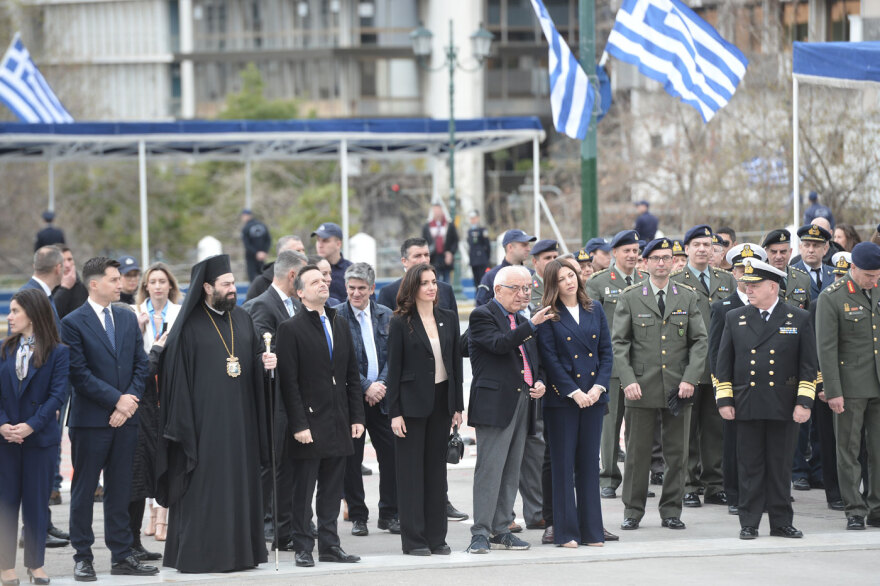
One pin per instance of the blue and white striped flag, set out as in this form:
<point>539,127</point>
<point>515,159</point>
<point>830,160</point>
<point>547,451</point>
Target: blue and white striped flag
<point>671,44</point>
<point>571,95</point>
<point>24,90</point>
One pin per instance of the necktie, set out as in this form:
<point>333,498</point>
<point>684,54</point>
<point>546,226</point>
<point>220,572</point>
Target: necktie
<point>660,303</point>
<point>527,370</point>
<point>867,295</point>
<point>327,335</point>
<point>818,273</point>
<point>288,303</point>
<point>704,283</point>
<point>369,346</point>
<point>765,315</point>
<point>629,281</point>
<point>108,327</point>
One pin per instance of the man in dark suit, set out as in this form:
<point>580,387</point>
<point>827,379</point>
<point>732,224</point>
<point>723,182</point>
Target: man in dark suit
<point>320,386</point>
<point>766,373</point>
<point>262,281</point>
<point>719,310</point>
<point>415,251</point>
<point>50,234</point>
<point>506,376</point>
<point>517,249</point>
<point>368,322</point>
<point>275,305</point>
<point>108,368</point>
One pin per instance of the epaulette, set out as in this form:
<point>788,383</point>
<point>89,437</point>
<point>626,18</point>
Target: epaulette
<point>798,269</point>
<point>686,286</point>
<point>678,272</point>
<point>633,286</point>
<point>722,270</point>
<point>602,272</point>
<point>834,286</point>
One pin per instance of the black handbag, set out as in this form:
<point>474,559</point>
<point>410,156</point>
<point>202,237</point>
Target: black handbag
<point>455,447</point>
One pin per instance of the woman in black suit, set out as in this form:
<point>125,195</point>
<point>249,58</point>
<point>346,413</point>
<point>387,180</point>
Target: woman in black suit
<point>575,346</point>
<point>33,387</point>
<point>424,396</point>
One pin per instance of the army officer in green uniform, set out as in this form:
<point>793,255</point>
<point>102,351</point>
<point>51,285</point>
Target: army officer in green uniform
<point>705,472</point>
<point>766,373</point>
<point>605,287</point>
<point>660,347</point>
<point>847,321</point>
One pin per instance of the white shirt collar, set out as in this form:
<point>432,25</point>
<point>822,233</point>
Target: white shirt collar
<point>44,286</point>
<point>771,308</point>
<point>282,294</point>
<point>99,310</point>
<point>743,297</point>
<point>357,312</point>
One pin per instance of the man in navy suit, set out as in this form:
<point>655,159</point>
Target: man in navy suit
<point>108,368</point>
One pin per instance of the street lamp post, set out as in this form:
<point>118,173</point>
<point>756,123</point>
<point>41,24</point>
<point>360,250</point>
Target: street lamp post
<point>481,42</point>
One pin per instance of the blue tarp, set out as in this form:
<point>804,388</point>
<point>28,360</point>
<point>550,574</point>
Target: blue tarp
<point>845,63</point>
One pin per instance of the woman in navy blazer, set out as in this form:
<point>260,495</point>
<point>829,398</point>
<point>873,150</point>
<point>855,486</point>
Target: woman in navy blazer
<point>33,387</point>
<point>575,347</point>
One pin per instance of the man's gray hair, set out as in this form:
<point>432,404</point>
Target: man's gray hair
<point>46,259</point>
<point>289,260</point>
<point>505,273</point>
<point>284,241</point>
<point>362,271</point>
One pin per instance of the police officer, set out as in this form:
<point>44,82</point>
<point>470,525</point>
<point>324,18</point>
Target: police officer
<point>706,447</point>
<point>738,298</point>
<point>479,248</point>
<point>847,318</point>
<point>766,374</point>
<point>256,239</point>
<point>660,346</point>
<point>795,287</point>
<point>517,246</point>
<point>542,252</point>
<point>605,287</point>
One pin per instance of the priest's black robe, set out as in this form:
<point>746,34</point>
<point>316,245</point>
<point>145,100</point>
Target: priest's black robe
<point>214,439</point>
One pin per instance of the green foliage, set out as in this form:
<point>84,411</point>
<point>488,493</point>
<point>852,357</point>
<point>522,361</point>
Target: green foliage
<point>251,103</point>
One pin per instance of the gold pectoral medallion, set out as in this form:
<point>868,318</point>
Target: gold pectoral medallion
<point>233,367</point>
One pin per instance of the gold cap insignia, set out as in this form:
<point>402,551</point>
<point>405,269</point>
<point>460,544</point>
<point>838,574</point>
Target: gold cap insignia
<point>842,264</point>
<point>814,231</point>
<point>676,247</point>
<point>583,255</point>
<point>747,252</point>
<point>665,244</point>
<point>707,231</point>
<point>782,237</point>
<point>750,269</point>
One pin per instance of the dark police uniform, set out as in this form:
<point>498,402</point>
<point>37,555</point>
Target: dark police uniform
<point>705,457</point>
<point>658,352</point>
<point>847,323</point>
<point>479,250</point>
<point>764,369</point>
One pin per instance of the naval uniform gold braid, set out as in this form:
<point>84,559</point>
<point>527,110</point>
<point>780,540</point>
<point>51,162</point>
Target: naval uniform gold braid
<point>233,367</point>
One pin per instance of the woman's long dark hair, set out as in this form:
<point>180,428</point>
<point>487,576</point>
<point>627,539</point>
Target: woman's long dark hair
<point>852,236</point>
<point>37,308</point>
<point>551,287</point>
<point>409,287</point>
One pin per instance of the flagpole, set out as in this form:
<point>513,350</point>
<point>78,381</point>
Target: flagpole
<point>589,175</point>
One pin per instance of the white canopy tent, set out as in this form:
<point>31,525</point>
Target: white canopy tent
<point>848,65</point>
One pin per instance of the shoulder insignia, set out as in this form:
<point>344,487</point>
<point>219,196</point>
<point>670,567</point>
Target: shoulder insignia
<point>602,272</point>
<point>722,271</point>
<point>678,272</point>
<point>793,269</point>
<point>688,287</point>
<point>631,287</point>
<point>835,285</point>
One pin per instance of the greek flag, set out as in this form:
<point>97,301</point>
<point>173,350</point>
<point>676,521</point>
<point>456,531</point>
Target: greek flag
<point>571,95</point>
<point>671,44</point>
<point>24,90</point>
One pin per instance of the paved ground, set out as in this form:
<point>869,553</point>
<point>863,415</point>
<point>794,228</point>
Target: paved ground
<point>707,550</point>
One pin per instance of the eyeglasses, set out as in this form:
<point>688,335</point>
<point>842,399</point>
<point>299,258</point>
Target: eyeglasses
<point>659,259</point>
<point>525,290</point>
<point>724,243</point>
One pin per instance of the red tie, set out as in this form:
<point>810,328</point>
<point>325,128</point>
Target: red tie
<point>527,370</point>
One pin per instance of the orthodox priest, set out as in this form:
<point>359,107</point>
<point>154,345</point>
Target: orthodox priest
<point>213,429</point>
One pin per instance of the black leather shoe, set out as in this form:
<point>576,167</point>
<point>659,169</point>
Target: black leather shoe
<point>608,493</point>
<point>836,505</point>
<point>855,523</point>
<point>454,514</point>
<point>141,553</point>
<point>304,559</point>
<point>610,536</point>
<point>366,471</point>
<point>419,551</point>
<point>131,566</point>
<point>547,537</point>
<point>657,478</point>
<point>52,541</point>
<point>84,572</point>
<point>335,554</point>
<point>787,531</point>
<point>732,510</point>
<point>359,529</point>
<point>34,579</point>
<point>748,533</point>
<point>701,491</point>
<point>673,523</point>
<point>390,525</point>
<point>441,550</point>
<point>540,525</point>
<point>691,499</point>
<point>289,546</point>
<point>629,523</point>
<point>58,533</point>
<point>718,498</point>
<point>801,484</point>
